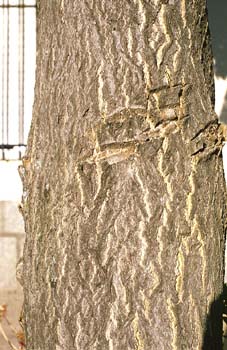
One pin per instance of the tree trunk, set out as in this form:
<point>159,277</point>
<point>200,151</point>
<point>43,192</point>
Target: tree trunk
<point>124,201</point>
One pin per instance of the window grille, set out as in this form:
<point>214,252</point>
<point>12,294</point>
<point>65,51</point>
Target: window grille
<point>17,74</point>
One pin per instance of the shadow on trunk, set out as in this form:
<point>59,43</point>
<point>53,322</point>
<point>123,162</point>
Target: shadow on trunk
<point>213,335</point>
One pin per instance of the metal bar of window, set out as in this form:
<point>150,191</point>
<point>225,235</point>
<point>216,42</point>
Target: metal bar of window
<point>21,72</point>
<point>3,79</point>
<point>9,146</point>
<point>7,77</point>
<point>22,37</point>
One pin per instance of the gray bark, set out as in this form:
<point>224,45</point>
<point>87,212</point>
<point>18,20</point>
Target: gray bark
<point>124,202</point>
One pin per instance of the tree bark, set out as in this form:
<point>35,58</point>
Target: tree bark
<point>124,200</point>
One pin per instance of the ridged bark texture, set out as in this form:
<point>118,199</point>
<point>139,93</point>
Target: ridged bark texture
<point>124,201</point>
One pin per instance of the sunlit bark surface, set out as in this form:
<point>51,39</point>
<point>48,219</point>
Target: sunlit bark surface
<point>123,181</point>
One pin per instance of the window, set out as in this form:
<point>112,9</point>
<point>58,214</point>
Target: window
<point>17,74</point>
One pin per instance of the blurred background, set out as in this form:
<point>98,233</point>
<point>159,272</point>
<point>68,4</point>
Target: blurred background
<point>17,77</point>
<point>217,14</point>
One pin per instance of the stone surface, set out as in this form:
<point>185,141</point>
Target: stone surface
<point>8,259</point>
<point>11,187</point>
<point>11,221</point>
